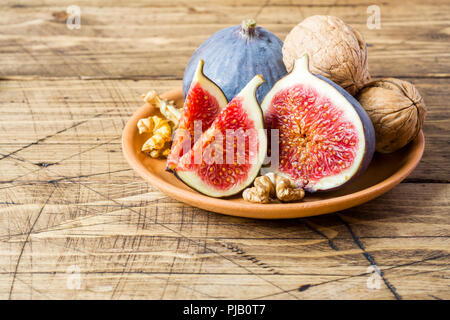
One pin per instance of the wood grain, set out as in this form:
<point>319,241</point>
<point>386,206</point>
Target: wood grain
<point>70,203</point>
<point>152,38</point>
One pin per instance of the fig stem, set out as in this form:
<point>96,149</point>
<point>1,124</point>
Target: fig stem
<point>252,85</point>
<point>301,64</point>
<point>248,28</point>
<point>199,71</point>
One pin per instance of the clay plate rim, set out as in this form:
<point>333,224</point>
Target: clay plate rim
<point>252,210</point>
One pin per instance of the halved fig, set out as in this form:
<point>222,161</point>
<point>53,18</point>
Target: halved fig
<point>228,156</point>
<point>203,103</point>
<point>325,137</point>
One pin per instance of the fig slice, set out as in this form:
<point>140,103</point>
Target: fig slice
<point>228,156</point>
<point>203,103</point>
<point>326,139</point>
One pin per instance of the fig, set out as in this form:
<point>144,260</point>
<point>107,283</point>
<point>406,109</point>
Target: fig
<point>228,156</point>
<point>203,103</point>
<point>326,138</point>
<point>234,55</point>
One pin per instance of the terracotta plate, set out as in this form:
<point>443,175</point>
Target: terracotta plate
<point>384,173</point>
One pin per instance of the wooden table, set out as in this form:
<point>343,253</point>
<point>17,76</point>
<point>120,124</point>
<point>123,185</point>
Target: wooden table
<point>76,222</point>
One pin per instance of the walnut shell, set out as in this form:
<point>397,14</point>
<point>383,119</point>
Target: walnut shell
<point>335,49</point>
<point>397,112</point>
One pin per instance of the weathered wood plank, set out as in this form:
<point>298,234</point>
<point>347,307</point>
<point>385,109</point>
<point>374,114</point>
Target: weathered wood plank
<point>156,41</point>
<point>106,234</point>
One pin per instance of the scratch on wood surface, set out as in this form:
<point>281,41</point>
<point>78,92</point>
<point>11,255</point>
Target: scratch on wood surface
<point>305,287</point>
<point>371,259</point>
<point>265,4</point>
<point>244,255</point>
<point>46,296</point>
<point>170,271</point>
<point>312,227</point>
<point>199,244</point>
<point>25,243</point>
<point>42,139</point>
<point>60,161</point>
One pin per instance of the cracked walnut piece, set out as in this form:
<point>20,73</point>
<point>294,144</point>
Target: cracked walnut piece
<point>161,133</point>
<point>167,108</point>
<point>270,186</point>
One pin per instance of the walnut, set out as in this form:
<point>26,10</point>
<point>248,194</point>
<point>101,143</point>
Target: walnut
<point>397,112</point>
<point>272,185</point>
<point>261,192</point>
<point>160,153</point>
<point>159,142</point>
<point>158,145</point>
<point>336,51</point>
<point>167,108</point>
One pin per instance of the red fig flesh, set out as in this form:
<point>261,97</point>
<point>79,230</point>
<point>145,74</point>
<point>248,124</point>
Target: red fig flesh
<point>228,156</point>
<point>203,103</point>
<point>325,137</point>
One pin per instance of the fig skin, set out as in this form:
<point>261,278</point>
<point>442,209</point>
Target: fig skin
<point>336,50</point>
<point>397,111</point>
<point>234,55</point>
